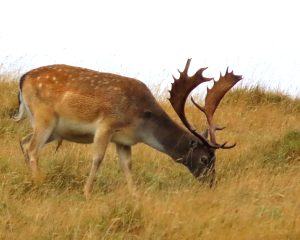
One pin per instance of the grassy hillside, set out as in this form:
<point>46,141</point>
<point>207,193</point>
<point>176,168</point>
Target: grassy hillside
<point>257,195</point>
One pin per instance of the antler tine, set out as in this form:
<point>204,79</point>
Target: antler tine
<point>187,66</point>
<point>229,146</point>
<point>212,100</point>
<point>179,92</point>
<point>198,106</point>
<point>215,128</point>
<point>218,128</point>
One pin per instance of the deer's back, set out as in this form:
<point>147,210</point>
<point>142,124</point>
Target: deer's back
<point>83,94</point>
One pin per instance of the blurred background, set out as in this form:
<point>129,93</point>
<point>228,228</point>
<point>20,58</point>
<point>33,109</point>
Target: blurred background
<point>150,40</point>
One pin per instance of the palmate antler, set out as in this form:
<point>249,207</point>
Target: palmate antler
<point>179,92</point>
<point>183,86</point>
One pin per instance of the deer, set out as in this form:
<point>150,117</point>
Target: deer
<point>85,106</point>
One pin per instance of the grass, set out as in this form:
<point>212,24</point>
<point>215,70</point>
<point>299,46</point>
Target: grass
<point>257,195</point>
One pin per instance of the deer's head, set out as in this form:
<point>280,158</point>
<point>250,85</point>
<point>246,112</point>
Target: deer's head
<point>200,159</point>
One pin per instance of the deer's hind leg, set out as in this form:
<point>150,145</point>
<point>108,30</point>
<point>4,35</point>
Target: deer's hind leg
<point>25,141</point>
<point>32,143</point>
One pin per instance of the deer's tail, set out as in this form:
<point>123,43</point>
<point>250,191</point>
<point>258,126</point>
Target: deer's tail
<point>22,109</point>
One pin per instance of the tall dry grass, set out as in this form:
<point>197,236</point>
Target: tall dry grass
<point>256,197</point>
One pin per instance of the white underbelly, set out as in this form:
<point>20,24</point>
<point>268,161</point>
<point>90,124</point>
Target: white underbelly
<point>75,131</point>
<point>84,132</point>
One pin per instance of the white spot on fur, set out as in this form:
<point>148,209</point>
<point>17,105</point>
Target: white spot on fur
<point>54,78</point>
<point>40,85</point>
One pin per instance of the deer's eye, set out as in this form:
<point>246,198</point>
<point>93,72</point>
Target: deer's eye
<point>204,160</point>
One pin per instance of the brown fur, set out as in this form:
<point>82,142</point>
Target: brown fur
<point>83,94</point>
<point>86,106</point>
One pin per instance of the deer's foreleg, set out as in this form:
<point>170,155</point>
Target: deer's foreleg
<point>101,140</point>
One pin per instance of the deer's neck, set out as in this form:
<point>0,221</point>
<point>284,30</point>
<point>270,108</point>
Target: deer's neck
<point>163,134</point>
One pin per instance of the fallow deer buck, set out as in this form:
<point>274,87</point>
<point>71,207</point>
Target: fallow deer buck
<point>85,106</point>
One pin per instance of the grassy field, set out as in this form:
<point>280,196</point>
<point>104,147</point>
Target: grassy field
<point>257,195</point>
